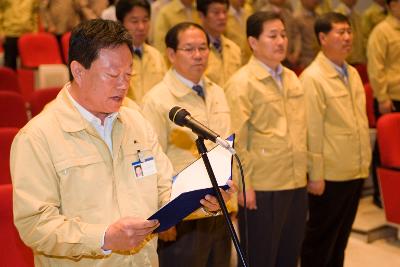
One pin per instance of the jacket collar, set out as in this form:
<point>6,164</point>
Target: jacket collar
<point>259,71</point>
<point>179,89</point>
<point>327,65</point>
<point>65,112</point>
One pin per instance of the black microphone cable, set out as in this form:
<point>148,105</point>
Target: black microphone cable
<point>246,233</point>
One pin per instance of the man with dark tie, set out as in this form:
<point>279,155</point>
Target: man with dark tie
<point>201,239</point>
<point>148,63</point>
<point>225,57</point>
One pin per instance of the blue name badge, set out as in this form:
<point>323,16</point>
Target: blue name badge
<point>144,168</point>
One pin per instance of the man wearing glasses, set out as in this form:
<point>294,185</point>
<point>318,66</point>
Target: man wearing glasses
<point>201,239</point>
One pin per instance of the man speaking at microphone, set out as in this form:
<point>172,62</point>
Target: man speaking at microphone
<point>201,239</point>
<point>81,194</point>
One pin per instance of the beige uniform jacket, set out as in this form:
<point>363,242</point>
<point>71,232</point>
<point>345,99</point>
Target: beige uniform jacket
<point>384,59</point>
<point>146,72</point>
<point>222,65</point>
<point>357,54</point>
<point>371,17</point>
<point>68,187</point>
<point>170,15</point>
<point>270,127</point>
<point>179,142</point>
<point>324,6</point>
<point>59,15</point>
<point>91,9</point>
<point>236,29</point>
<point>305,21</point>
<point>338,134</point>
<point>18,17</point>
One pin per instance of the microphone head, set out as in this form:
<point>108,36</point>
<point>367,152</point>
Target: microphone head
<point>178,115</point>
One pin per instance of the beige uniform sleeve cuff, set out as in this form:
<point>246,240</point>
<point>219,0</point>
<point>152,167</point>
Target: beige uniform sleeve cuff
<point>315,166</point>
<point>93,238</point>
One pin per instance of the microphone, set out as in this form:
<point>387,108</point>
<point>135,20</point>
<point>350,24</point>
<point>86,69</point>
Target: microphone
<point>181,117</point>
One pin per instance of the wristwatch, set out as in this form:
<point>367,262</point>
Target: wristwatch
<point>211,213</point>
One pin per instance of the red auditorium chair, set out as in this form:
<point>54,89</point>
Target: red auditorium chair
<point>9,80</point>
<point>12,110</point>
<point>38,48</point>
<point>65,45</point>
<point>7,135</point>
<point>13,252</point>
<point>362,70</point>
<point>388,128</point>
<point>40,98</point>
<point>370,105</point>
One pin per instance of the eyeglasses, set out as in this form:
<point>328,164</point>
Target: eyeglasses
<point>192,50</point>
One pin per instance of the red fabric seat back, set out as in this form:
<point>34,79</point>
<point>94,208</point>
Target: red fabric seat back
<point>38,48</point>
<point>369,97</point>
<point>362,70</point>
<point>6,137</point>
<point>9,80</point>
<point>13,252</point>
<point>388,130</point>
<point>65,45</point>
<point>389,181</point>
<point>12,110</point>
<point>40,98</point>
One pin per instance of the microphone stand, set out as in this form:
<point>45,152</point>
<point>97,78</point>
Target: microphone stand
<point>201,148</point>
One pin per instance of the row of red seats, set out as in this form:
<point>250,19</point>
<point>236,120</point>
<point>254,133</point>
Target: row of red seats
<point>36,49</point>
<point>46,49</point>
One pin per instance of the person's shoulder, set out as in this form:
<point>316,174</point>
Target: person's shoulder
<point>230,44</point>
<point>152,50</point>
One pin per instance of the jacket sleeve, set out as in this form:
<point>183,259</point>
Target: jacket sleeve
<point>315,109</point>
<point>240,106</point>
<point>37,204</point>
<point>376,52</point>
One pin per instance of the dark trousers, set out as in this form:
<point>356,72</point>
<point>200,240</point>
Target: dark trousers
<point>329,225</point>
<point>11,52</point>
<point>376,162</point>
<point>276,228</point>
<point>200,243</point>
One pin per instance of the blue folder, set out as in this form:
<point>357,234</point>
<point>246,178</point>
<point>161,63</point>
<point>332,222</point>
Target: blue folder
<point>183,205</point>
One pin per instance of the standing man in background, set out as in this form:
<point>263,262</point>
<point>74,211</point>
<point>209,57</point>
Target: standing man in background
<point>338,143</point>
<point>372,16</point>
<point>383,53</point>
<point>16,19</point>
<point>268,117</point>
<point>148,63</point>
<point>239,11</point>
<point>201,239</point>
<point>225,56</point>
<point>171,14</point>
<point>357,54</point>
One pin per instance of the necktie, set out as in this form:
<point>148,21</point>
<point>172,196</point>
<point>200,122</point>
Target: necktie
<point>217,45</point>
<point>199,90</point>
<point>137,52</point>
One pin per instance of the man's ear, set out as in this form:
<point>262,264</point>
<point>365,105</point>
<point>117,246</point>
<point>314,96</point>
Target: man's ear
<point>252,42</point>
<point>77,71</point>
<point>171,55</point>
<point>322,38</point>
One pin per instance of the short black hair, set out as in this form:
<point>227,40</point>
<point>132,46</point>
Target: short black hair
<point>324,22</point>
<point>202,5</point>
<point>171,39</point>
<point>88,37</point>
<point>255,23</point>
<point>123,7</point>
